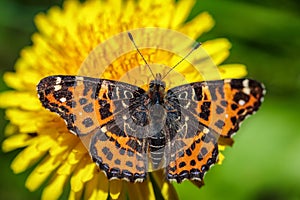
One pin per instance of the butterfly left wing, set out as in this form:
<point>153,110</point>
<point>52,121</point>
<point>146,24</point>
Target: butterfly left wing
<point>97,111</point>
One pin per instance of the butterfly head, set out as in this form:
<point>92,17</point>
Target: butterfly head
<point>157,89</point>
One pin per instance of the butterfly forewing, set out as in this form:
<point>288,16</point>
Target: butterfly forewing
<point>230,101</point>
<point>75,99</point>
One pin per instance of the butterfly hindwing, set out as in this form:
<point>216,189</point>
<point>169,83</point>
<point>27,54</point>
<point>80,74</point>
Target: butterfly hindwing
<point>118,154</point>
<point>193,161</point>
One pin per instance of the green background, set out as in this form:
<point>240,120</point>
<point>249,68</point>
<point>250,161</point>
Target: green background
<point>264,162</point>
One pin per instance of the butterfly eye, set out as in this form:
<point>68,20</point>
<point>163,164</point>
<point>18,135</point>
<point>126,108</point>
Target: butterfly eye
<point>151,84</point>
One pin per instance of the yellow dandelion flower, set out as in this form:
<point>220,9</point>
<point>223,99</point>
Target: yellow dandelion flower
<point>64,39</point>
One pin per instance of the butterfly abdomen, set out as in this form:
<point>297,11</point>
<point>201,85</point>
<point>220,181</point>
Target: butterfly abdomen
<point>157,143</point>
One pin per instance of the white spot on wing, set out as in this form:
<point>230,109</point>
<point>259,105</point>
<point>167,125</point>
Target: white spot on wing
<point>104,129</point>
<point>57,87</point>
<point>246,90</point>
<point>58,80</point>
<point>79,78</point>
<point>246,83</point>
<point>205,130</point>
<point>227,81</point>
<point>242,102</point>
<point>63,99</point>
<point>187,105</point>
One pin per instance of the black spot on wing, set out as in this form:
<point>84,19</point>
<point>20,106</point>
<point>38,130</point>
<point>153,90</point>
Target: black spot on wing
<point>198,91</point>
<point>104,109</point>
<point>237,84</point>
<point>88,108</point>
<point>220,124</point>
<point>219,110</point>
<point>205,110</point>
<point>92,85</point>
<point>83,101</point>
<point>241,96</point>
<point>88,122</point>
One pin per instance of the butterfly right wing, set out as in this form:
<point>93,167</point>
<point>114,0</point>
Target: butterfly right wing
<point>209,110</point>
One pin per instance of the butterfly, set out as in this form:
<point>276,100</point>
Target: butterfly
<point>130,131</point>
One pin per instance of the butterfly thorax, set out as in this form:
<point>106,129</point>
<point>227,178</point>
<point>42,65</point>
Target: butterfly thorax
<point>156,108</point>
<point>156,90</point>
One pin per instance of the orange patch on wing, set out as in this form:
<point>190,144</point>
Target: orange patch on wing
<point>104,99</point>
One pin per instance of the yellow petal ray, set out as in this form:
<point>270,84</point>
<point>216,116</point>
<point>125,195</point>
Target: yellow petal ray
<point>198,25</point>
<point>182,11</point>
<point>30,79</point>
<point>17,141</point>
<point>26,120</point>
<point>128,8</point>
<point>29,156</point>
<point>142,190</point>
<point>42,23</point>
<point>221,157</point>
<point>102,189</point>
<point>218,49</point>
<point>91,188</point>
<point>11,129</point>
<point>165,17</point>
<point>75,195</point>
<point>167,189</point>
<point>41,173</point>
<point>232,71</point>
<point>116,5</point>
<point>123,194</point>
<point>30,62</point>
<point>67,168</point>
<point>115,188</point>
<point>62,145</point>
<point>13,81</point>
<point>27,62</point>
<point>83,173</point>
<point>75,156</point>
<point>55,188</point>
<point>54,65</point>
<point>23,100</point>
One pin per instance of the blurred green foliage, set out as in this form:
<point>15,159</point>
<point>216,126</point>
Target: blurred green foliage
<point>264,162</point>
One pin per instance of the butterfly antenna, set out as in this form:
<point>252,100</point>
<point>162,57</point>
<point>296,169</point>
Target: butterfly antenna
<point>196,46</point>
<point>132,40</point>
